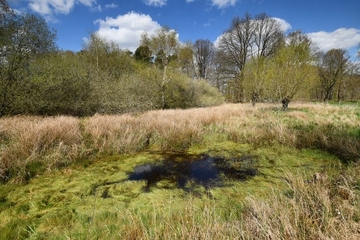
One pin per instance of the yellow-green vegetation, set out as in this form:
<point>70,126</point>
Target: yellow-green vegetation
<point>67,178</point>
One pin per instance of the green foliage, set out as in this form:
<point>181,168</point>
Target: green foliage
<point>61,84</point>
<point>285,74</point>
<point>143,54</point>
<point>100,78</point>
<point>183,92</point>
<point>24,37</point>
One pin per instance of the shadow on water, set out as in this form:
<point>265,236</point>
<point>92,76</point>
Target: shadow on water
<point>204,171</point>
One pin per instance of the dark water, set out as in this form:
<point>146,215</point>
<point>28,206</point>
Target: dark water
<point>205,171</point>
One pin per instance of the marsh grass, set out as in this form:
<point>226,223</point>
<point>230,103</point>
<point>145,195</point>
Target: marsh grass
<point>302,190</point>
<point>317,208</point>
<point>281,203</point>
<point>29,143</point>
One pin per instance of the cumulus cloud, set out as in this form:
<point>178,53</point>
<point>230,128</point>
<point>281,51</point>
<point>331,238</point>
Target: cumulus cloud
<point>285,26</point>
<point>126,30</point>
<point>155,3</point>
<point>223,3</point>
<point>50,7</point>
<point>344,38</point>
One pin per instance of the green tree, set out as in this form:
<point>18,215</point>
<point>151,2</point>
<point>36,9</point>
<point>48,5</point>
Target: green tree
<point>185,59</point>
<point>61,83</point>
<point>23,38</point>
<point>349,88</point>
<point>291,70</point>
<point>285,73</point>
<point>143,54</point>
<point>164,45</point>
<point>255,76</point>
<point>106,56</point>
<point>185,92</point>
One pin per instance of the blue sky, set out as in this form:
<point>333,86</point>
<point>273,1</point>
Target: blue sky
<point>329,23</point>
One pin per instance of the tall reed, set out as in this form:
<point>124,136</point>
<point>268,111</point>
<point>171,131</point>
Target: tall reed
<point>37,142</point>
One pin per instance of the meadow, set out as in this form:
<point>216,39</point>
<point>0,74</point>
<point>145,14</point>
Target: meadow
<point>64,177</point>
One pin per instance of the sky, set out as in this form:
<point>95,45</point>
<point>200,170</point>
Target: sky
<point>328,23</point>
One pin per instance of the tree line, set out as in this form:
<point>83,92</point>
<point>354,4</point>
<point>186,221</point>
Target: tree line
<point>254,60</point>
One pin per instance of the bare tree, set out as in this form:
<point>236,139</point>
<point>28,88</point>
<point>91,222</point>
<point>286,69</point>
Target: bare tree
<point>268,36</point>
<point>204,52</point>
<point>4,6</point>
<point>220,71</point>
<point>249,38</point>
<point>332,67</point>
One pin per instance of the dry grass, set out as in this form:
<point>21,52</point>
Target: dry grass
<point>52,142</point>
<point>317,208</point>
<point>111,134</point>
<point>27,141</point>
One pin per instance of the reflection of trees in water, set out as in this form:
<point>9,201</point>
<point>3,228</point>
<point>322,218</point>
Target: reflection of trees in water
<point>206,171</point>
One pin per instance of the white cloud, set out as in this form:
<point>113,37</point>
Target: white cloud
<point>47,7</point>
<point>188,1</point>
<point>50,7</point>
<point>155,3</point>
<point>88,3</point>
<point>223,3</point>
<point>113,5</point>
<point>126,30</point>
<point>344,38</point>
<point>285,26</point>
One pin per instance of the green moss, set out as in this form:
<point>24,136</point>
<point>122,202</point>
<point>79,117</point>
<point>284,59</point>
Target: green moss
<point>97,201</point>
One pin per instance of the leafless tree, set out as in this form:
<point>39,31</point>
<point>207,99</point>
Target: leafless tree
<point>4,5</point>
<point>204,53</point>
<point>268,35</point>
<point>249,38</point>
<point>332,68</point>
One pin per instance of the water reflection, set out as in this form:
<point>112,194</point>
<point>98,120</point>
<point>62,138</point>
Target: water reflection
<point>205,171</point>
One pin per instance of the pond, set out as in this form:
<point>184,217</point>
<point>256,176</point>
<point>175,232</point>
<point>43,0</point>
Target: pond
<point>203,171</point>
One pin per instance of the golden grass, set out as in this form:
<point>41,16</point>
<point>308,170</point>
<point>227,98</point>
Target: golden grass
<point>317,208</point>
<point>56,141</point>
<point>28,139</point>
<point>114,133</point>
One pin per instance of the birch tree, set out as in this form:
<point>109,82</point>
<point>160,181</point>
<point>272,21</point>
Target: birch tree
<point>164,46</point>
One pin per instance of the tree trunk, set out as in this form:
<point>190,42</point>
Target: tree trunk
<point>163,82</point>
<point>254,99</point>
<point>285,103</point>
